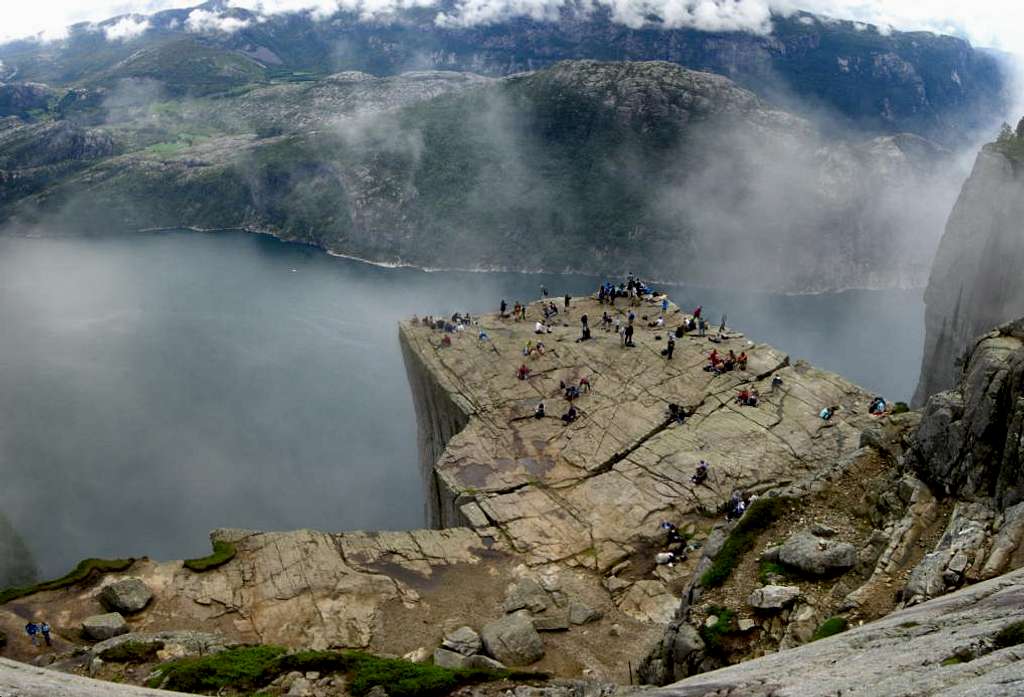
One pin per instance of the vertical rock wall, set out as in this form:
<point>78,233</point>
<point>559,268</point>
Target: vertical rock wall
<point>438,419</point>
<point>976,280</point>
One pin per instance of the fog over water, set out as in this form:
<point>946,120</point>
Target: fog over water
<point>155,387</point>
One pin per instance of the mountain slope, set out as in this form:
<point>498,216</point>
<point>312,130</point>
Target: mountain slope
<point>593,167</point>
<point>938,87</point>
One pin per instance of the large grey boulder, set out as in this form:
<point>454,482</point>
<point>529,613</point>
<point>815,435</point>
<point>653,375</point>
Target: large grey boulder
<point>443,658</point>
<point>100,627</point>
<point>513,640</point>
<point>127,596</point>
<point>526,593</point>
<point>817,556</point>
<point>773,597</point>
<point>462,641</point>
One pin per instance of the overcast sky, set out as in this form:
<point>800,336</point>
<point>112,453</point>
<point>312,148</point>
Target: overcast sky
<point>992,23</point>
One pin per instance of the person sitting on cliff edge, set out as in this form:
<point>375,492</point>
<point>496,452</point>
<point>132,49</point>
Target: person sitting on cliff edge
<point>570,416</point>
<point>538,413</point>
<point>523,372</point>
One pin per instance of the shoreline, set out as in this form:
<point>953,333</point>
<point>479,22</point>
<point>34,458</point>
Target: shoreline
<point>396,265</point>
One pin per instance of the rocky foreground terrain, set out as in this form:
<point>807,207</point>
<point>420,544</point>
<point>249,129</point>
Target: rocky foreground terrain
<point>545,556</point>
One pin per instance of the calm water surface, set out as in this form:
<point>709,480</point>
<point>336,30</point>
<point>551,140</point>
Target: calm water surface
<point>156,387</point>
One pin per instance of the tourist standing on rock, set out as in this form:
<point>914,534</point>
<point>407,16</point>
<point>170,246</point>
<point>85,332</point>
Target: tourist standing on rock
<point>543,291</point>
<point>567,299</point>
<point>44,629</point>
<point>538,413</point>
<point>702,327</point>
<point>504,306</point>
<point>696,313</point>
<point>32,629</point>
<point>664,304</point>
<point>628,336</point>
<point>671,347</point>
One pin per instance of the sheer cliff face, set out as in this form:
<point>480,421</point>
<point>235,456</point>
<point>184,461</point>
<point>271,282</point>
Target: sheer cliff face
<point>976,281</point>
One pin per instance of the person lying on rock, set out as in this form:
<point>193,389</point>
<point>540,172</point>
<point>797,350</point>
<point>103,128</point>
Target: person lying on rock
<point>541,328</point>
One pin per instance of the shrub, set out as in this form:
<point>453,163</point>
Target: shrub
<point>84,569</point>
<point>1010,635</point>
<point>762,513</point>
<point>223,552</point>
<point>900,408</point>
<point>713,635</point>
<point>244,668</point>
<point>132,652</point>
<point>830,627</point>
<point>250,668</point>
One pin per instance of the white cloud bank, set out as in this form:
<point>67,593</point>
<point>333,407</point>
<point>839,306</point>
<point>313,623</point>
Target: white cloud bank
<point>205,22</point>
<point>994,23</point>
<point>126,28</point>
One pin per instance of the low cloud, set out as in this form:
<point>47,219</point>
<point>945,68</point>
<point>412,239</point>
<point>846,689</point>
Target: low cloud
<point>126,28</point>
<point>207,22</point>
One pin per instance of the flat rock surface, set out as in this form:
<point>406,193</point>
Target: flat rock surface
<point>898,656</point>
<point>582,493</point>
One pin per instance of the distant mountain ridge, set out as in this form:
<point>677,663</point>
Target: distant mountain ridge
<point>938,87</point>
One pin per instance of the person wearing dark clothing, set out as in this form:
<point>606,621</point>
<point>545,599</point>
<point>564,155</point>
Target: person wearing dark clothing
<point>44,629</point>
<point>504,306</point>
<point>696,313</point>
<point>569,416</point>
<point>538,413</point>
<point>701,475</point>
<point>567,299</point>
<point>32,629</point>
<point>676,413</point>
<point>670,347</point>
<point>629,335</point>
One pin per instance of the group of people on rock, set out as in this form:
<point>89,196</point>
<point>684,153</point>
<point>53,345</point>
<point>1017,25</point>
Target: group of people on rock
<point>518,310</point>
<point>37,631</point>
<point>674,548</point>
<point>634,289</point>
<point>719,364</point>
<point>748,397</point>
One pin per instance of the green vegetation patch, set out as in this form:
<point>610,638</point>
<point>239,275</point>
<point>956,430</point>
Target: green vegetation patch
<point>246,668</point>
<point>952,661</point>
<point>253,667</point>
<point>132,652</point>
<point>900,408</point>
<point>714,634</point>
<point>85,569</point>
<point>1011,142</point>
<point>761,514</point>
<point>830,627</point>
<point>1010,635</point>
<point>223,552</point>
<point>769,571</point>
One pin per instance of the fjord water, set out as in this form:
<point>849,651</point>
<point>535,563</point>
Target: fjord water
<point>153,388</point>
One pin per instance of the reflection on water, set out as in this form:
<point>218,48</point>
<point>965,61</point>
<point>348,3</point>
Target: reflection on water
<point>156,387</point>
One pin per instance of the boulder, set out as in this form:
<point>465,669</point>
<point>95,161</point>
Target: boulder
<point>526,593</point>
<point>126,596</point>
<point>580,613</point>
<point>479,661</point>
<point>100,627</point>
<point>463,641</point>
<point>773,597</point>
<point>513,640</point>
<point>449,659</point>
<point>817,556</point>
<point>552,622</point>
